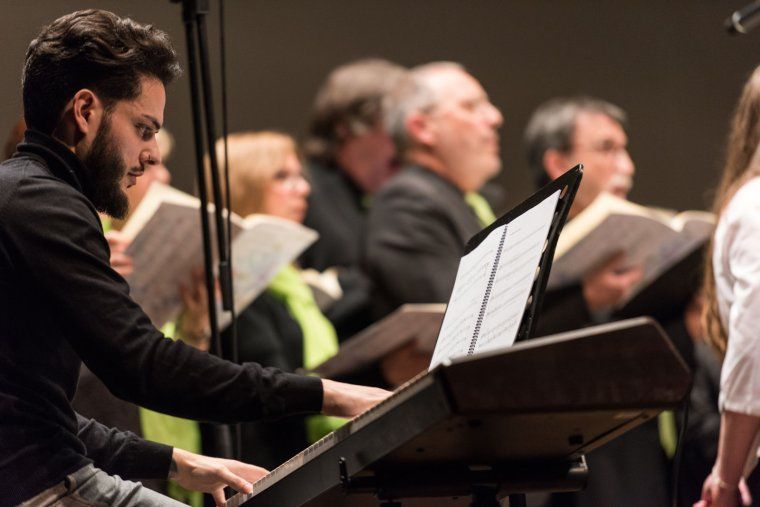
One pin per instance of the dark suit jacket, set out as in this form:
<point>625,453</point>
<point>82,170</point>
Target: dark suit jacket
<point>418,226</point>
<point>336,212</point>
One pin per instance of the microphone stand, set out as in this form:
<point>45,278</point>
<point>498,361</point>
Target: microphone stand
<point>744,20</point>
<point>193,16</point>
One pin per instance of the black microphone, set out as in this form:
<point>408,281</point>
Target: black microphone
<point>744,20</point>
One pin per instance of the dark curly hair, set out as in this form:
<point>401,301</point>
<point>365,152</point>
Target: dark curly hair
<point>92,49</point>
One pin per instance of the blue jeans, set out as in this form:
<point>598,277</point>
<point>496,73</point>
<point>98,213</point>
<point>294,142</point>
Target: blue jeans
<point>90,486</point>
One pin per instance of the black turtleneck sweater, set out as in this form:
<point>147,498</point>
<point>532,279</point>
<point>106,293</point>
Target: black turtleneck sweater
<point>61,303</point>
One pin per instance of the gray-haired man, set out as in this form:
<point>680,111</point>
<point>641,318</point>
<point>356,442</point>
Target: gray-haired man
<point>446,130</point>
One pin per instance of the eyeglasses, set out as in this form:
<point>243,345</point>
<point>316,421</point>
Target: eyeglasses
<point>289,180</point>
<point>608,150</point>
<point>480,106</point>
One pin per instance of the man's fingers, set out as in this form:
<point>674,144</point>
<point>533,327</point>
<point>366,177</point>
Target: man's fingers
<point>124,271</point>
<point>630,277</point>
<point>234,481</point>
<point>635,272</point>
<point>254,473</point>
<point>250,473</point>
<point>218,495</point>
<point>121,259</point>
<point>348,400</point>
<point>744,493</point>
<point>613,261</point>
<point>121,263</point>
<point>116,241</point>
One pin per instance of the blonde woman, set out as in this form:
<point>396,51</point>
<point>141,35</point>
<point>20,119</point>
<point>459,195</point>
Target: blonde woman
<point>284,327</point>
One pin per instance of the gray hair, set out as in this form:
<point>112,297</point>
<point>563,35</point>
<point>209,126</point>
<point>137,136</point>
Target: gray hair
<point>416,92</point>
<point>552,126</point>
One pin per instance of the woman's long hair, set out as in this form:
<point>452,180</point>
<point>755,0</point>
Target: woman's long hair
<point>741,164</point>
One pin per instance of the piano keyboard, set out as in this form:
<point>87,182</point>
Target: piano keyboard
<point>402,393</point>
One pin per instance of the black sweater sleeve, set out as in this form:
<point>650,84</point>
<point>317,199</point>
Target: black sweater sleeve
<point>123,453</point>
<point>70,268</point>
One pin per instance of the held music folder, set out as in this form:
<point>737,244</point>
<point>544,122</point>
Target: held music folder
<point>165,245</point>
<point>668,246</point>
<point>503,274</point>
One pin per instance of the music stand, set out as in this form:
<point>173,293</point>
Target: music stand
<point>499,423</point>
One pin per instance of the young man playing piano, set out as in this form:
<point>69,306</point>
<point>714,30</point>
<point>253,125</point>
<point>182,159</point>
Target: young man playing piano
<point>93,90</point>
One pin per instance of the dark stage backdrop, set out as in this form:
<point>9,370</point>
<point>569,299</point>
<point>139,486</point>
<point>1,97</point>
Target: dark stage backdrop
<point>669,64</point>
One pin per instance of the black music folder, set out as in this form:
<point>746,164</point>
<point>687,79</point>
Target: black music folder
<point>503,274</point>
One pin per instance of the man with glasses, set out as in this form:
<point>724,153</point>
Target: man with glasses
<point>633,469</point>
<point>561,133</point>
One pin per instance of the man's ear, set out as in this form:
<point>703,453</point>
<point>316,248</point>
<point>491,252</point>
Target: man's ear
<point>87,111</point>
<point>555,163</point>
<point>418,127</point>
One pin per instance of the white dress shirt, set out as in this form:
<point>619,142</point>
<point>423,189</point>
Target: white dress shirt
<point>736,261</point>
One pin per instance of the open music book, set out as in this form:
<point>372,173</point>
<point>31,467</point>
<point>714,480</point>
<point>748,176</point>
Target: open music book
<point>493,284</point>
<point>655,239</point>
<point>166,245</point>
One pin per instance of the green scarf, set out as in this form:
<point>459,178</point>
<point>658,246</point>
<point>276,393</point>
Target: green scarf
<point>320,341</point>
<point>481,208</point>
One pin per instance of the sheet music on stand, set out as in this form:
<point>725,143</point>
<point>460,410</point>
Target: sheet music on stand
<point>502,275</point>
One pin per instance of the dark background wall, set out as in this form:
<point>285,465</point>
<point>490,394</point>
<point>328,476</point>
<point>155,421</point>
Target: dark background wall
<point>669,64</point>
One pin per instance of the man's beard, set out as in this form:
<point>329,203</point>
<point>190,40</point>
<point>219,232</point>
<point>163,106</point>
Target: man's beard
<point>106,172</point>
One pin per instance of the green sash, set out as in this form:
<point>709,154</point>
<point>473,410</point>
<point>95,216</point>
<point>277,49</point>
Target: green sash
<point>320,341</point>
